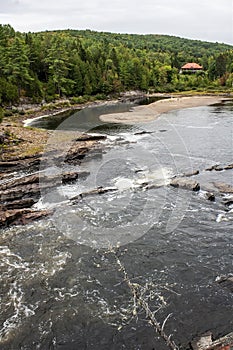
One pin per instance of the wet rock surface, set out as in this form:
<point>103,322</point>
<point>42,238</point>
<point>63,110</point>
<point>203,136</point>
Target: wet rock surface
<point>18,195</point>
<point>226,282</point>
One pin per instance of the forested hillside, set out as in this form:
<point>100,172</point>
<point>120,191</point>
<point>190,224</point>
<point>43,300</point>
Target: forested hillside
<point>47,65</point>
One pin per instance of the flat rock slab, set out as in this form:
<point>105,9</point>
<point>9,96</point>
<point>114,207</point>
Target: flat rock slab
<point>223,187</point>
<point>185,183</point>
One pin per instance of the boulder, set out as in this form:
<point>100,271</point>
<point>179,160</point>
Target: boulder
<point>210,196</point>
<point>191,173</point>
<point>185,183</point>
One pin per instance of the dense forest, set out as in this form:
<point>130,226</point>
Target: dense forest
<point>72,63</point>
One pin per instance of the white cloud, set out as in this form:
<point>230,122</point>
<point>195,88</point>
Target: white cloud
<point>207,20</point>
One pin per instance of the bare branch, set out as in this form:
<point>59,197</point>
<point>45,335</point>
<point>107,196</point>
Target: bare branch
<point>140,301</point>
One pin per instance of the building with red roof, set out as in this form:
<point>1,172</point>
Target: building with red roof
<point>191,67</point>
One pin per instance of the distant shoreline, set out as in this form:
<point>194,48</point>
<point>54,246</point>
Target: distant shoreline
<point>142,114</point>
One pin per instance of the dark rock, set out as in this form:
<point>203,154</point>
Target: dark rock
<point>192,173</point>
<point>69,177</point>
<point>143,132</point>
<point>147,186</point>
<point>76,154</point>
<point>96,191</point>
<point>185,183</point>
<point>87,137</point>
<point>11,164</point>
<point>210,196</point>
<point>20,164</point>
<point>213,167</point>
<point>229,166</point>
<point>227,202</point>
<point>226,282</point>
<point>218,167</point>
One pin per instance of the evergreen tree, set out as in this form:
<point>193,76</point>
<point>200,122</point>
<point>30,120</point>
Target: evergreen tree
<point>17,64</point>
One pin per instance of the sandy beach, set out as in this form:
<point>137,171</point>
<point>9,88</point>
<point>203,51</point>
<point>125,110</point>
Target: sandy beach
<point>141,114</point>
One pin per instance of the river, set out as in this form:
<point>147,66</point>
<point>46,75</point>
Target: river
<point>65,280</point>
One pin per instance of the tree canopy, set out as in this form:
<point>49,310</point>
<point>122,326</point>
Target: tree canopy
<point>47,65</point>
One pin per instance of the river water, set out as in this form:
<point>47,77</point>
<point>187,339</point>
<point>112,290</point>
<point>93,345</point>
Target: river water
<point>65,280</point>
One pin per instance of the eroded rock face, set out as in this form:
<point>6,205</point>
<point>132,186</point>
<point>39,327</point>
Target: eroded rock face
<point>16,165</point>
<point>19,195</point>
<point>185,183</point>
<point>21,216</point>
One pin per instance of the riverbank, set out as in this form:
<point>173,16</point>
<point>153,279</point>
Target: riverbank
<point>141,114</point>
<point>20,141</point>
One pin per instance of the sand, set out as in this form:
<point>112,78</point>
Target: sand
<point>141,114</point>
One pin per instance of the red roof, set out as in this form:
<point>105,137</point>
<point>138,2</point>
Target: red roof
<point>192,66</point>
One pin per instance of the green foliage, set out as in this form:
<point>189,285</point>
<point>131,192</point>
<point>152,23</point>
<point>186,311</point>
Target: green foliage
<point>78,100</point>
<point>1,114</point>
<point>50,65</point>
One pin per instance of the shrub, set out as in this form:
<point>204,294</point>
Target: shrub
<point>78,100</point>
<point>7,113</point>
<point>100,97</point>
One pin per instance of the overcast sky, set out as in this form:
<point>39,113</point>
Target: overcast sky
<point>210,20</point>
